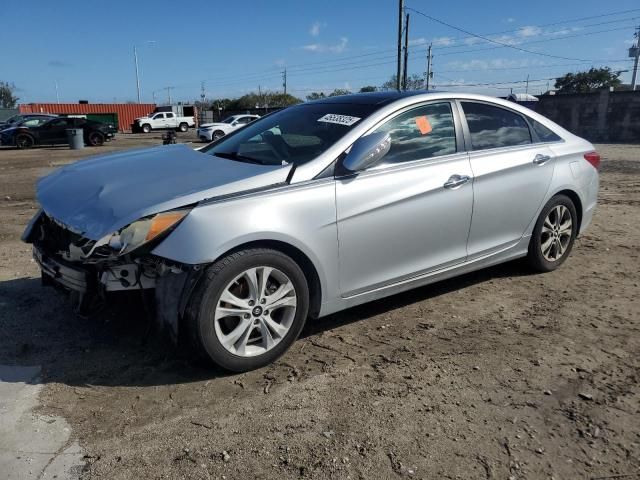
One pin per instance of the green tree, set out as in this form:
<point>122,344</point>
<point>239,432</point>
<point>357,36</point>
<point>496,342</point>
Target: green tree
<point>414,82</point>
<point>339,91</point>
<point>262,99</point>
<point>589,81</point>
<point>368,88</point>
<point>315,96</point>
<point>7,97</point>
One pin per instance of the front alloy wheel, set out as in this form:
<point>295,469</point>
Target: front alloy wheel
<point>255,311</point>
<point>248,309</point>
<point>217,135</point>
<point>24,141</point>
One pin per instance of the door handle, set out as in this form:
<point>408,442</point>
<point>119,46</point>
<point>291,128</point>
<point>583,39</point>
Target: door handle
<point>456,181</point>
<point>540,159</point>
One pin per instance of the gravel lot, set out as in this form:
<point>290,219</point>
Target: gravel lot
<point>497,374</point>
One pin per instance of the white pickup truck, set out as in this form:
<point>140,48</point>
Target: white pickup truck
<point>163,121</point>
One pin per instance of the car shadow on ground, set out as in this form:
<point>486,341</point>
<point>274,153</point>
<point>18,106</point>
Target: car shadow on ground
<point>118,347</point>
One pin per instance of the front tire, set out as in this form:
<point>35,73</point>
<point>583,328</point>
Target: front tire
<point>553,235</point>
<point>217,135</point>
<point>146,128</point>
<point>248,309</point>
<point>24,141</point>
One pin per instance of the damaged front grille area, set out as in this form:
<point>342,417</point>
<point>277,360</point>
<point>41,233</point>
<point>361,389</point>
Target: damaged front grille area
<point>55,239</point>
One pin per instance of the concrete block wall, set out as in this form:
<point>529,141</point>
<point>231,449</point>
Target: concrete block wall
<point>601,116</point>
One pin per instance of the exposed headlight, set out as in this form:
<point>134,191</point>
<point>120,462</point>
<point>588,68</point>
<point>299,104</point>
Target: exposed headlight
<point>144,230</point>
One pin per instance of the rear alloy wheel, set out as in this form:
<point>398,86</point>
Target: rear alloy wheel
<point>183,127</point>
<point>24,141</point>
<point>553,235</point>
<point>217,135</point>
<point>250,307</point>
<point>96,139</point>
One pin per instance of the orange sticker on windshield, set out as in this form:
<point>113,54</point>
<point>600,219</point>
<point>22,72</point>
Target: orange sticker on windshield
<point>423,124</point>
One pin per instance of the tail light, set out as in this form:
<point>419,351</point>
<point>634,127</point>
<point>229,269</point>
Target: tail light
<point>593,158</point>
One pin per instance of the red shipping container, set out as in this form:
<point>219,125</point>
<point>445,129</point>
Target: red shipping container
<point>127,112</point>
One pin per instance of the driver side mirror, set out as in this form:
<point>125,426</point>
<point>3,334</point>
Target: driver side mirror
<point>367,151</point>
<point>234,124</point>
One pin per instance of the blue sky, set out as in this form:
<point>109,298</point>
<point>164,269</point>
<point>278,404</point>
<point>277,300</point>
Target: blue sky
<point>87,47</point>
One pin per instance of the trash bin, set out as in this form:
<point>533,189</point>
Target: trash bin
<point>75,137</point>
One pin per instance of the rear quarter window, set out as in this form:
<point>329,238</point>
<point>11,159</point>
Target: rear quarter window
<point>544,134</point>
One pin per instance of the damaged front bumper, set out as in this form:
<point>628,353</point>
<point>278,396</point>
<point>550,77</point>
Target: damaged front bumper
<point>91,279</point>
<point>82,280</point>
<point>68,277</point>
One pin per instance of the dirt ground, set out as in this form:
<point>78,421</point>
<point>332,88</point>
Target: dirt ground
<point>499,374</point>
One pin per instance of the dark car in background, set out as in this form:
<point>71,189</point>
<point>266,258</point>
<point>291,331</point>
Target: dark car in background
<point>22,117</point>
<point>54,132</point>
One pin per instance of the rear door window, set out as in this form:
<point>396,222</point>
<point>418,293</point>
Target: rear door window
<point>424,132</point>
<point>495,127</point>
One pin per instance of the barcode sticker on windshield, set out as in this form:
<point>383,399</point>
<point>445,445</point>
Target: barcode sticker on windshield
<point>339,119</point>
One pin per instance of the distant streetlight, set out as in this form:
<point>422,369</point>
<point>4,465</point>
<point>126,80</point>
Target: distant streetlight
<point>135,58</point>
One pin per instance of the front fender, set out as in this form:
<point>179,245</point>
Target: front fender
<point>301,216</point>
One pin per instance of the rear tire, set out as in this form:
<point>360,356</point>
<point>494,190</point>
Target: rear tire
<point>553,235</point>
<point>183,127</point>
<point>96,139</point>
<point>24,141</point>
<point>248,309</point>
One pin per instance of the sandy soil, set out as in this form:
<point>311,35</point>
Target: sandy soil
<point>497,374</point>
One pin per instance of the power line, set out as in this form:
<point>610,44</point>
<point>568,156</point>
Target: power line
<point>531,42</point>
<point>297,70</point>
<point>489,39</point>
<point>626,19</point>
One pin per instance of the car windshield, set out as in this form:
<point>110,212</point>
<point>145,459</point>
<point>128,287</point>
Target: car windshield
<point>294,135</point>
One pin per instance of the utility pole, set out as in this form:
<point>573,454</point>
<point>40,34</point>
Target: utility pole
<point>169,93</point>
<point>406,52</point>
<point>399,70</point>
<point>135,57</point>
<point>635,52</point>
<point>203,95</point>
<point>527,87</point>
<point>57,92</point>
<point>284,80</point>
<point>429,76</point>
<point>154,96</point>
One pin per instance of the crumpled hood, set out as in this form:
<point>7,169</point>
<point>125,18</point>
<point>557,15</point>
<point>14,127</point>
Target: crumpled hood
<point>101,195</point>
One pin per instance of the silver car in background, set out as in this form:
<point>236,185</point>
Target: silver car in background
<point>314,209</point>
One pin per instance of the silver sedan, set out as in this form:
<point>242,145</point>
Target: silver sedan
<point>314,209</point>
